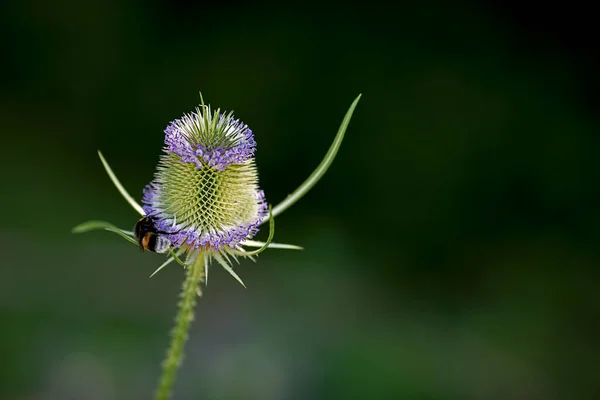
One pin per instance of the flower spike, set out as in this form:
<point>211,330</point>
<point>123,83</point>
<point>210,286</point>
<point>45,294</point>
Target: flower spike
<point>205,194</point>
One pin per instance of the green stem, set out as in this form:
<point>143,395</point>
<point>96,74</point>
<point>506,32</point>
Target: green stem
<point>185,315</point>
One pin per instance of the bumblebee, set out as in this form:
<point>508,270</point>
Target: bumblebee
<point>149,237</point>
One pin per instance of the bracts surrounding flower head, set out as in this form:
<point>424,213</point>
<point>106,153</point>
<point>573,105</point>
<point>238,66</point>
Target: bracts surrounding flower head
<point>205,192</point>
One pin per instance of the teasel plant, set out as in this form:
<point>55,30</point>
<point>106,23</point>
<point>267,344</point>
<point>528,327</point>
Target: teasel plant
<point>204,207</point>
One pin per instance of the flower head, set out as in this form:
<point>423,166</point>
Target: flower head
<point>205,192</point>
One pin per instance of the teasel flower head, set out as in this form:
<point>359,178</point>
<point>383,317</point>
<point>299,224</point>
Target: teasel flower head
<point>205,193</point>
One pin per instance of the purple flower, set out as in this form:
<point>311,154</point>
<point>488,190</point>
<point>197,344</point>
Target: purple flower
<point>205,193</point>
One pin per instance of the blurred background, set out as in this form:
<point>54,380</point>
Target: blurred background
<point>451,251</point>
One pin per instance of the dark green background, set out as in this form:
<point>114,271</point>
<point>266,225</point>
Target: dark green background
<point>450,252</point>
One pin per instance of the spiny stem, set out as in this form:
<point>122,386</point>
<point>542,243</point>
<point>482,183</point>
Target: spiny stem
<point>179,335</point>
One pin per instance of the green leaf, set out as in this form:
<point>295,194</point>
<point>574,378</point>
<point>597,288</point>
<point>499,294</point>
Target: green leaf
<point>321,169</point>
<point>95,225</point>
<point>120,187</point>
